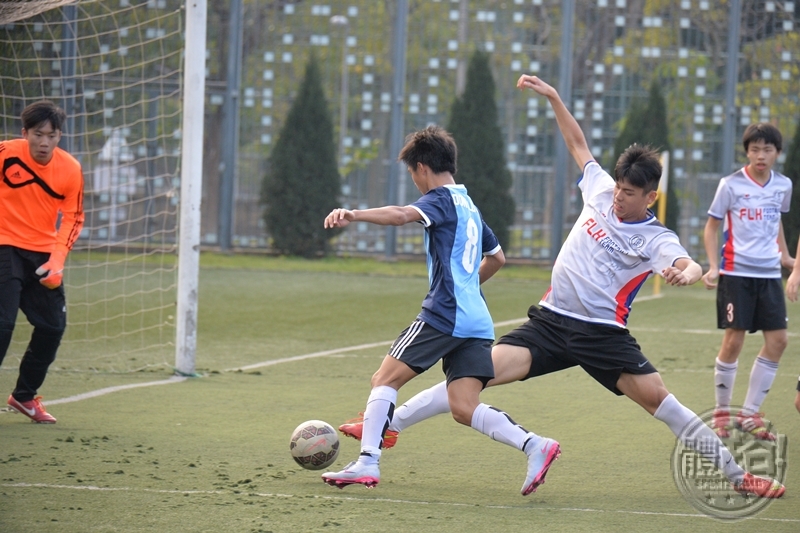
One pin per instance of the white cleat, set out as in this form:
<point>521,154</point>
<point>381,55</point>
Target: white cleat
<point>539,460</point>
<point>354,473</point>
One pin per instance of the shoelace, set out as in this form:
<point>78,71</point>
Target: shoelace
<point>37,404</point>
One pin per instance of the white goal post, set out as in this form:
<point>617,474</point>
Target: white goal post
<point>131,76</point>
<point>194,76</point>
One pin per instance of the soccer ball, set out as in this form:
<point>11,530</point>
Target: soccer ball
<point>314,445</point>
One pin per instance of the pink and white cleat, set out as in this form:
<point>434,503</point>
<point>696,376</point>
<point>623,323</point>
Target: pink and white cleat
<point>353,474</point>
<point>539,460</point>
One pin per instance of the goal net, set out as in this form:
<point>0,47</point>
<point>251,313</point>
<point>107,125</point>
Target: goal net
<point>115,68</point>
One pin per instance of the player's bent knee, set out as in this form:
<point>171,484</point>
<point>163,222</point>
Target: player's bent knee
<point>461,415</point>
<point>49,331</point>
<point>462,407</point>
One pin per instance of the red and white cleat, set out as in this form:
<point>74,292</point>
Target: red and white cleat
<point>33,409</point>
<point>760,486</point>
<point>354,428</point>
<point>721,423</point>
<point>754,425</point>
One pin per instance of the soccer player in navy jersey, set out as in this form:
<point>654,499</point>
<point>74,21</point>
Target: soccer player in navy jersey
<point>454,325</point>
<point>614,246</point>
<point>749,203</point>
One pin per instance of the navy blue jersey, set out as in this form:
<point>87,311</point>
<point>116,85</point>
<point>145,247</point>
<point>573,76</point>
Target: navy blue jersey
<point>456,239</point>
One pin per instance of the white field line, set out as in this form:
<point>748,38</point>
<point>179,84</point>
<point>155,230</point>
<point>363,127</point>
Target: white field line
<point>107,390</point>
<point>378,500</point>
<point>310,356</point>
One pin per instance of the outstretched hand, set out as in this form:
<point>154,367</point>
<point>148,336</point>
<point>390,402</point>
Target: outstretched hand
<point>527,81</point>
<point>339,218</point>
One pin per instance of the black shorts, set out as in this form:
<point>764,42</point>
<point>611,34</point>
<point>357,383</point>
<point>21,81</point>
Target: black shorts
<point>20,290</point>
<point>557,342</point>
<point>751,304</point>
<point>420,346</point>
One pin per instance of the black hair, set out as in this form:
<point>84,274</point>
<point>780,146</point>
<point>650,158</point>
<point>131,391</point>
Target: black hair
<point>762,131</point>
<point>43,111</point>
<point>639,166</point>
<point>433,147</point>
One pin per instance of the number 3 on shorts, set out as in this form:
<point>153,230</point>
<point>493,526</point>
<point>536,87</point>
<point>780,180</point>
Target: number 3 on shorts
<point>471,247</point>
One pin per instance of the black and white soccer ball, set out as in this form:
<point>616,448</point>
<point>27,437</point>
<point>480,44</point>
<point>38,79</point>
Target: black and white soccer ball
<point>314,445</point>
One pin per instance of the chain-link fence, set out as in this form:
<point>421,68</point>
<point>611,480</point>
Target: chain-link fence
<point>619,47</point>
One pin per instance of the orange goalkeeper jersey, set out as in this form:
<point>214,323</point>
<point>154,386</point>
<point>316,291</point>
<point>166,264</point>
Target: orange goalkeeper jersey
<point>31,195</point>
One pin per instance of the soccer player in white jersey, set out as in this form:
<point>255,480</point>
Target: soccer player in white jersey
<point>748,279</point>
<point>454,325</point>
<point>613,247</point>
<point>791,292</point>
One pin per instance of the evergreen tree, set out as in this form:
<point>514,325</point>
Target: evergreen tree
<point>791,169</point>
<point>646,123</point>
<point>302,184</point>
<point>481,165</point>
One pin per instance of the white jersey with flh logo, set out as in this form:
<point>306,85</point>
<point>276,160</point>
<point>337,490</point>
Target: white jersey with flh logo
<point>751,215</point>
<point>605,261</point>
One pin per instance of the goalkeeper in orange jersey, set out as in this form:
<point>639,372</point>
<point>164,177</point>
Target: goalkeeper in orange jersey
<point>39,180</point>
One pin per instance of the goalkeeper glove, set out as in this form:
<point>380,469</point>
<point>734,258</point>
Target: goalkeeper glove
<point>52,270</point>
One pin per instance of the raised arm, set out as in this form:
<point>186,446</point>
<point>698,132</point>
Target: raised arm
<point>391,215</point>
<point>570,130</point>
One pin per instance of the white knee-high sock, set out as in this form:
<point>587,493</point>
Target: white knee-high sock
<point>428,403</point>
<point>761,377</point>
<point>724,379</point>
<point>498,426</point>
<point>380,406</point>
<point>688,427</point>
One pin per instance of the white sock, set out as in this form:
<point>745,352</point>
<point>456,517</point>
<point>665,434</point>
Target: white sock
<point>761,377</point>
<point>498,426</point>
<point>428,403</point>
<point>701,438</point>
<point>380,406</point>
<point>724,378</point>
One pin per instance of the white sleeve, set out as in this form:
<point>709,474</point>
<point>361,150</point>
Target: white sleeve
<point>594,181</point>
<point>667,250</point>
<point>787,198</point>
<point>722,201</point>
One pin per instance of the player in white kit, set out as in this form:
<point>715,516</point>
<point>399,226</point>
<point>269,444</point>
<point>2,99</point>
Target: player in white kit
<point>611,250</point>
<point>748,204</point>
